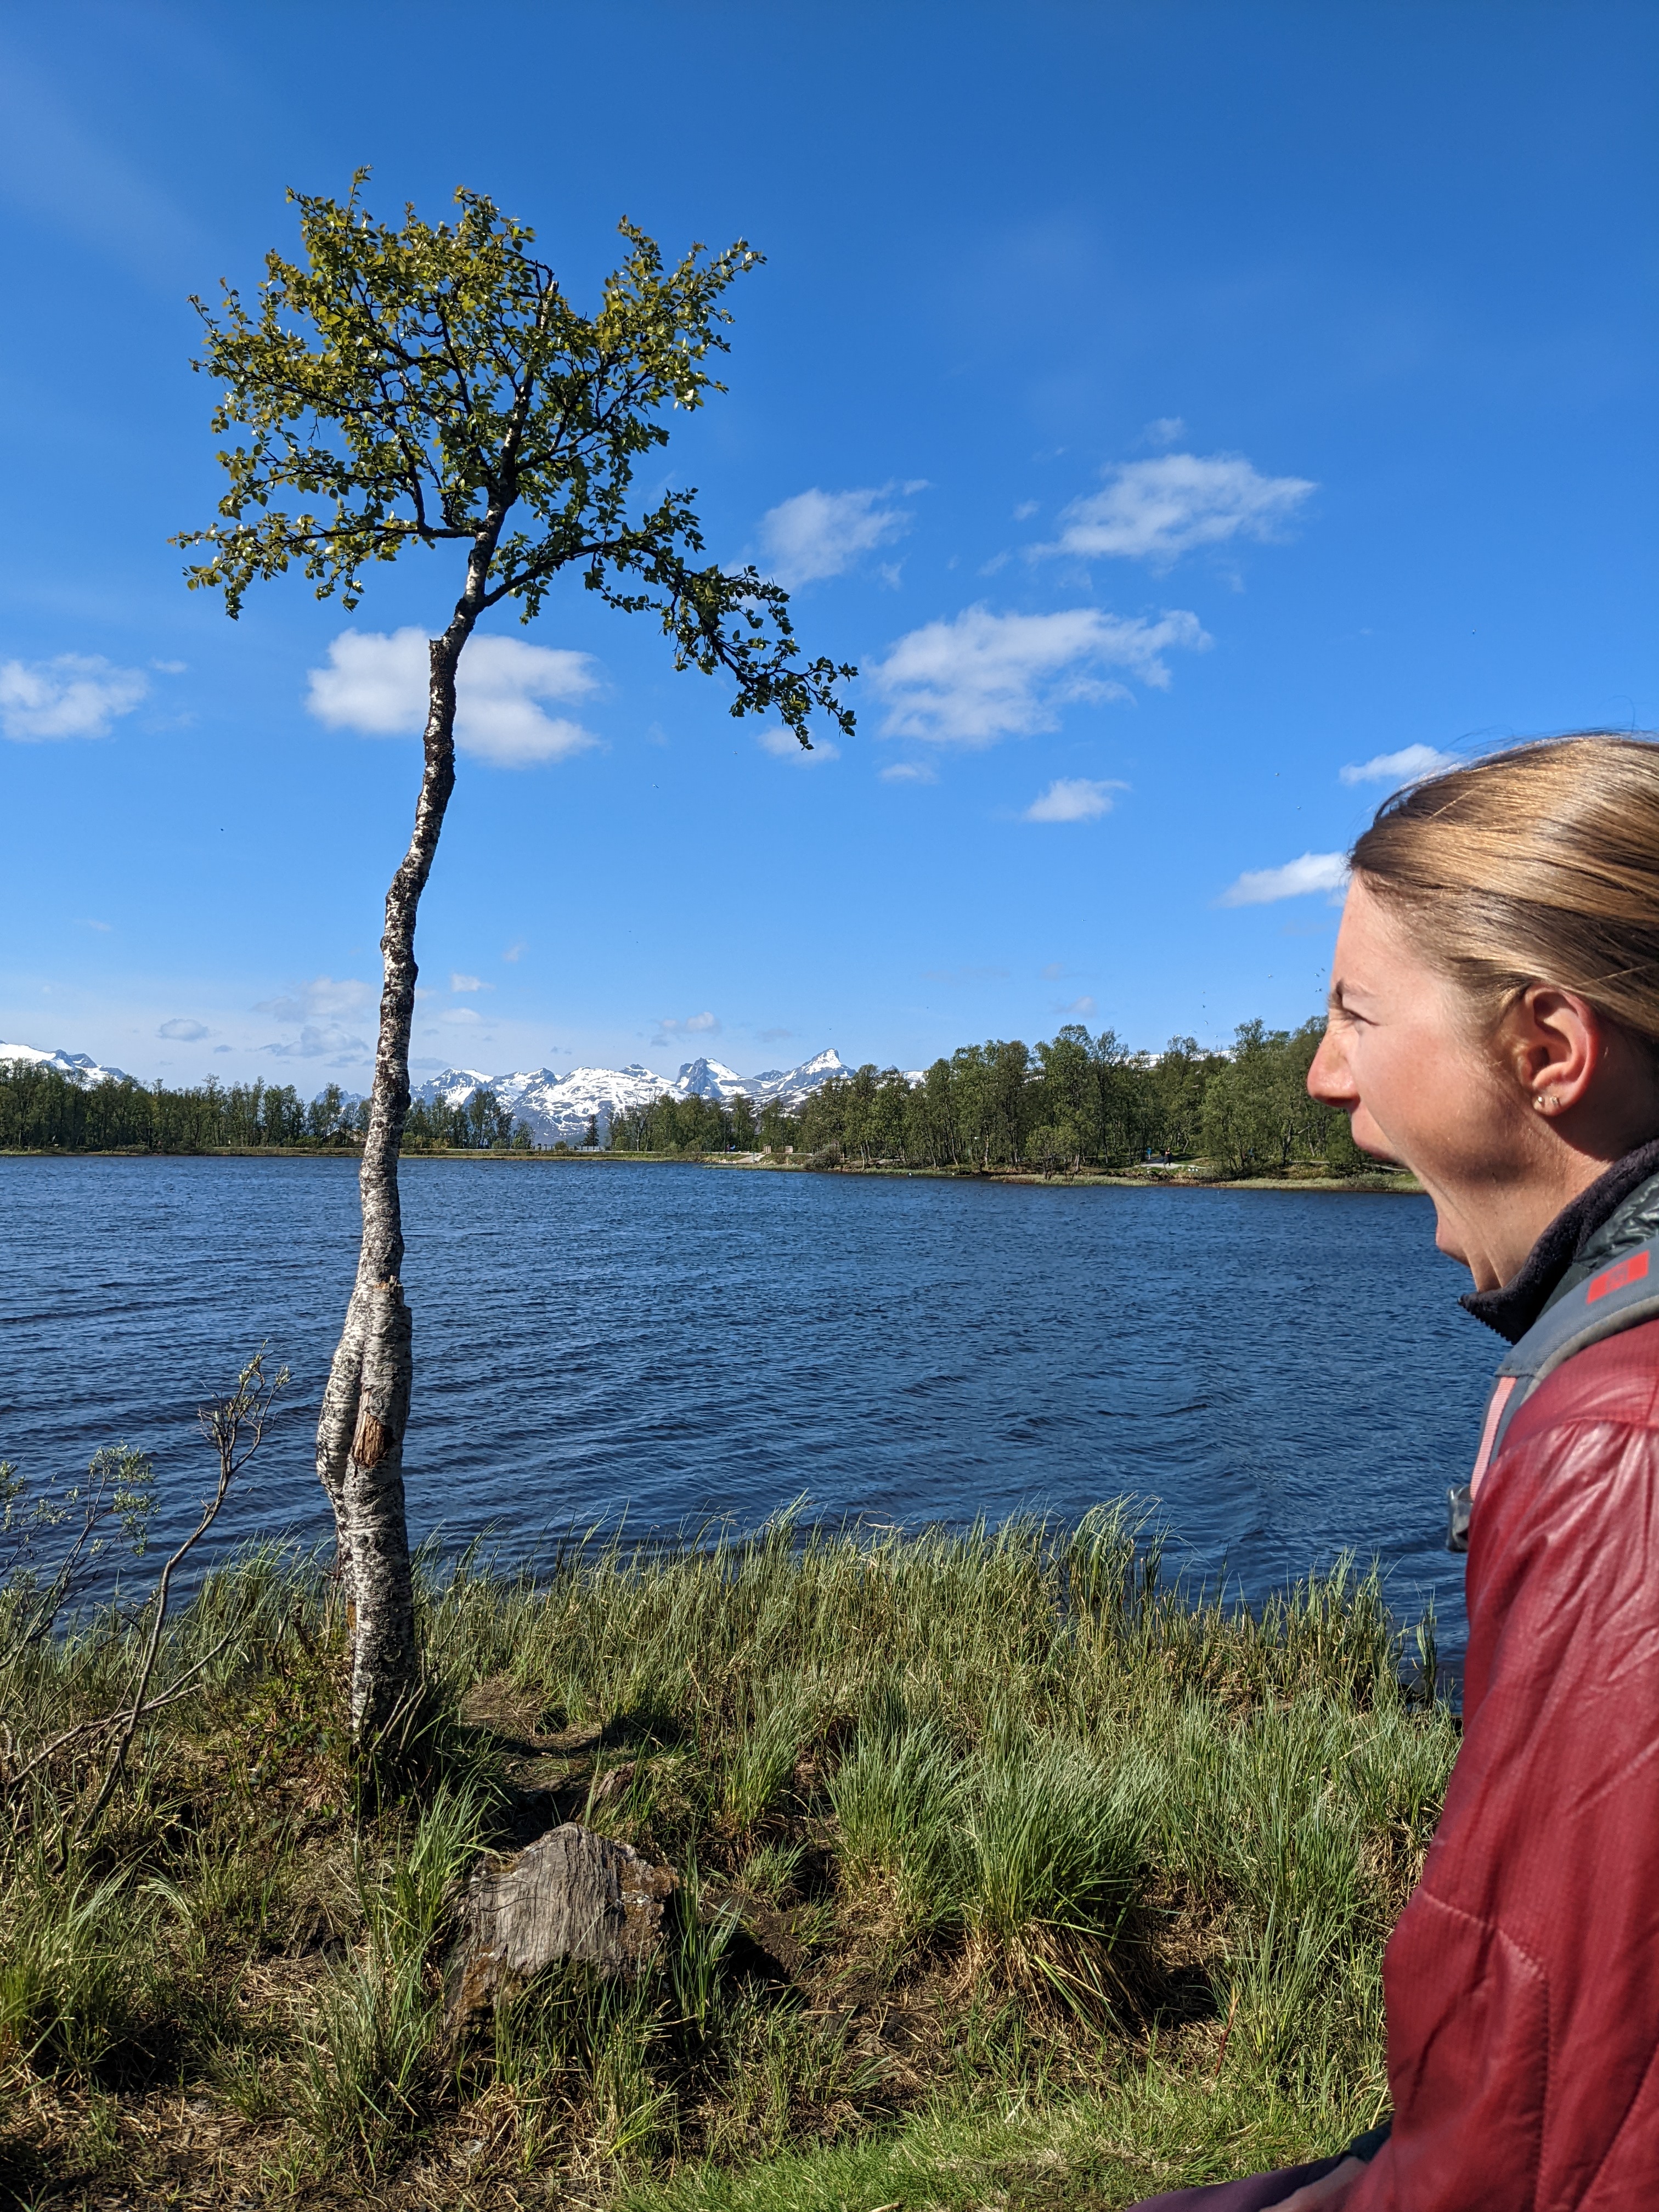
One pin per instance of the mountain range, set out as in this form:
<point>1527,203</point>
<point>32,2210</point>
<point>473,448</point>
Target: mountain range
<point>560,1106</point>
<point>80,1066</point>
<point>555,1106</point>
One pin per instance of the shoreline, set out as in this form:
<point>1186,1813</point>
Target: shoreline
<point>1378,1182</point>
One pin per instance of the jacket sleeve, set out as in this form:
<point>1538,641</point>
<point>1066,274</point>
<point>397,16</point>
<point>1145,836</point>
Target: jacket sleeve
<point>1522,1979</point>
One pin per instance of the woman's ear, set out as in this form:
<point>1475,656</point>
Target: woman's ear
<point>1553,1042</point>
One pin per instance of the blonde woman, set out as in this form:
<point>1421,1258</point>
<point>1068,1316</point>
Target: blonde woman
<point>1494,1026</point>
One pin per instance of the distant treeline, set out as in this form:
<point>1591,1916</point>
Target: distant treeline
<point>1080,1102</point>
<point>42,1110</point>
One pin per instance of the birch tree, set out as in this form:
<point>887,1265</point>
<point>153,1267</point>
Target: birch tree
<point>431,387</point>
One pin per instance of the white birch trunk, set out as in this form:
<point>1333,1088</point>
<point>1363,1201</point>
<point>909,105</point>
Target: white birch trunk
<point>365,1410</point>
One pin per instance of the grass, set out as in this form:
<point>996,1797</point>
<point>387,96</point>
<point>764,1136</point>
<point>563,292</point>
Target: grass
<point>1011,1872</point>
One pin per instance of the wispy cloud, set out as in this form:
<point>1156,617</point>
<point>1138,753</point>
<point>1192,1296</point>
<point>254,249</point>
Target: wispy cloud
<point>822,533</point>
<point>909,772</point>
<point>1162,430</point>
<point>329,1040</point>
<point>1085,1006</point>
<point>985,676</point>
<point>77,695</point>
<point>703,1024</point>
<point>318,1007</point>
<point>1409,765</point>
<point>376,684</point>
<point>182,1032</point>
<point>1074,799</point>
<point>784,744</point>
<point>1158,510</point>
<point>1314,871</point>
<point>470,984</point>
<point>324,994</point>
<point>516,951</point>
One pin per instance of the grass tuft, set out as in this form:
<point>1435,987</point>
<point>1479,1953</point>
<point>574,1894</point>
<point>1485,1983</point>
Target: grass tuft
<point>1011,1869</point>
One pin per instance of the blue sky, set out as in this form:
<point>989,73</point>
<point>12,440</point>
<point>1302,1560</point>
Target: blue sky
<point>1168,407</point>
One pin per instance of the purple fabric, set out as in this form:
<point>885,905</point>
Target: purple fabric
<point>1253,2194</point>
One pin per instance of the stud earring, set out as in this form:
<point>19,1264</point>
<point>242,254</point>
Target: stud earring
<point>1543,1105</point>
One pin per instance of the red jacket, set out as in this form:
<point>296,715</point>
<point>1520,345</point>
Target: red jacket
<point>1522,1979</point>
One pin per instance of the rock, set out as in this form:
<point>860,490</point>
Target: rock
<point>570,1894</point>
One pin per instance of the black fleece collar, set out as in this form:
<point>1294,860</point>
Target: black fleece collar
<point>1582,1236</point>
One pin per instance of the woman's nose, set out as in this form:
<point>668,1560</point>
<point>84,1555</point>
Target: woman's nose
<point>1328,1078</point>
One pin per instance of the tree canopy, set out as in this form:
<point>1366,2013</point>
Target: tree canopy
<point>432,383</point>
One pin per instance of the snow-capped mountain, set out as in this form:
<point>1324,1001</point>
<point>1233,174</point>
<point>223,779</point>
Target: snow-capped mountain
<point>560,1106</point>
<point>80,1066</point>
<point>712,1078</point>
<point>555,1106</point>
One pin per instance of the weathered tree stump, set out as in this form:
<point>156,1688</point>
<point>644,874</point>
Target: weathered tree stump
<point>570,1894</point>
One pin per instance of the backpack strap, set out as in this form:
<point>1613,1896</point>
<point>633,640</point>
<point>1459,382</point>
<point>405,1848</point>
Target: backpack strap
<point>1622,1296</point>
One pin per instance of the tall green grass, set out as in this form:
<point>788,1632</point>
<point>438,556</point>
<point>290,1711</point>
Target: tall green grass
<point>1004,1822</point>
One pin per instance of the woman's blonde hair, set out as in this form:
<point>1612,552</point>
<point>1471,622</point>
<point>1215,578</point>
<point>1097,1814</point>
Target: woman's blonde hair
<point>1539,865</point>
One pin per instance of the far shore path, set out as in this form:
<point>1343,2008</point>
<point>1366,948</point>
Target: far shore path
<point>1182,1176</point>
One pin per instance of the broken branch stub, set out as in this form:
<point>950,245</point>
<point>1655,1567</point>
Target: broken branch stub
<point>570,1894</point>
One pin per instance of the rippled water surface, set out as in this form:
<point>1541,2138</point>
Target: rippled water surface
<point>1287,1374</point>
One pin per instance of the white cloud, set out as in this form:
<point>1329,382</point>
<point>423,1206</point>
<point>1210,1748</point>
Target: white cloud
<point>1074,799</point>
<point>1084,1005</point>
<point>1025,510</point>
<point>1158,510</point>
<point>78,694</point>
<point>325,995</point>
<point>701,1024</point>
<point>985,676</point>
<point>822,533</point>
<point>1314,871</point>
<point>1163,430</point>
<point>328,1041</point>
<point>469,983</point>
<point>376,685</point>
<point>460,1014</point>
<point>182,1032</point>
<point>909,772</point>
<point>1409,765</point>
<point>784,744</point>
<point>516,951</point>
<point>317,1006</point>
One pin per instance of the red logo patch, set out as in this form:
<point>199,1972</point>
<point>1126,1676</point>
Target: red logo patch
<point>1616,1277</point>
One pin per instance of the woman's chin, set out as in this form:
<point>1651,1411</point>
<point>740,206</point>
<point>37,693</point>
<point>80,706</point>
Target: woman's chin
<point>1453,1241</point>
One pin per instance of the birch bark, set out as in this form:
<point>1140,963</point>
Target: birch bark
<point>365,1410</point>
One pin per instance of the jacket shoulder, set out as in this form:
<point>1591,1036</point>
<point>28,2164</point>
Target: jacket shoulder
<point>1615,1381</point>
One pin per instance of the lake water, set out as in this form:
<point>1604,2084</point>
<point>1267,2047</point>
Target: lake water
<point>1287,1375</point>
